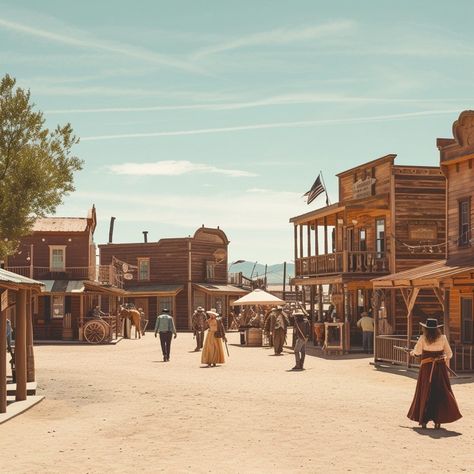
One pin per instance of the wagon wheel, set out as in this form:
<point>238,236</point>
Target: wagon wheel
<point>95,332</point>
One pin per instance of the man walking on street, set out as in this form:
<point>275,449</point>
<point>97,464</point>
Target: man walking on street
<point>302,331</point>
<point>366,323</point>
<point>165,326</point>
<point>275,326</point>
<point>198,324</point>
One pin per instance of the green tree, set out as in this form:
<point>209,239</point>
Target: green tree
<point>36,165</point>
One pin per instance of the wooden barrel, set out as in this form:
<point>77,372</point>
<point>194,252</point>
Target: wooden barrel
<point>254,337</point>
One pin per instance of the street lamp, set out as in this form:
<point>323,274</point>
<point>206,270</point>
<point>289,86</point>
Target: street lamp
<point>235,263</point>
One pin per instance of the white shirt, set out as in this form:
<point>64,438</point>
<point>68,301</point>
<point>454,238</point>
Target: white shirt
<point>441,344</point>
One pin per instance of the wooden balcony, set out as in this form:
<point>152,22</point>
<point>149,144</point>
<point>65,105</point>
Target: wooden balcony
<point>366,262</point>
<point>45,273</point>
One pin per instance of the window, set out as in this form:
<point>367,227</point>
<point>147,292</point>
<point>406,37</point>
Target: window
<point>380,237</point>
<point>143,268</point>
<point>362,240</point>
<point>464,222</point>
<point>210,267</point>
<point>57,258</point>
<point>57,306</point>
<point>467,321</point>
<point>164,302</point>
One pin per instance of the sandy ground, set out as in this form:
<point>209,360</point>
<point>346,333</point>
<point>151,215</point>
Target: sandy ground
<point>120,409</point>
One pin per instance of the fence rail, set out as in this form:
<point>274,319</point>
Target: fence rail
<point>385,350</point>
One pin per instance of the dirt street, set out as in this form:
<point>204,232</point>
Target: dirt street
<point>119,408</point>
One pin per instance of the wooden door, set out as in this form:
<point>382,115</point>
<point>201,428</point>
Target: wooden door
<point>143,304</point>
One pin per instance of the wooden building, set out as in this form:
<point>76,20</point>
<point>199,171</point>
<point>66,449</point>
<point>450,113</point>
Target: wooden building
<point>60,252</point>
<point>340,248</point>
<point>177,273</point>
<point>451,280</point>
<point>16,294</point>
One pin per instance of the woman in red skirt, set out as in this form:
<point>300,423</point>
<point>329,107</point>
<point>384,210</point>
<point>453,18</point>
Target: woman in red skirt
<point>434,399</point>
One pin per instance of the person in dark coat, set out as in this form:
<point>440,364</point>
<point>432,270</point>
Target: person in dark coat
<point>302,331</point>
<point>276,326</point>
<point>434,399</point>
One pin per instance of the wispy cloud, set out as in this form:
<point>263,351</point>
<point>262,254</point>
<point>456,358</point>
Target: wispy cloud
<point>174,168</point>
<point>279,36</point>
<point>278,100</point>
<point>263,126</point>
<point>84,40</point>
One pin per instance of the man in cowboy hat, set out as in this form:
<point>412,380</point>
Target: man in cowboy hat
<point>366,323</point>
<point>198,325</point>
<point>165,326</point>
<point>302,331</point>
<point>276,326</point>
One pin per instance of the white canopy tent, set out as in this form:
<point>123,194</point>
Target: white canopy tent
<point>258,297</point>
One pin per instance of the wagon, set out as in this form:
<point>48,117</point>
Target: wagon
<point>99,330</point>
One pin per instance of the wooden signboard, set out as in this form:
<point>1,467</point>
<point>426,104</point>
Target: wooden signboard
<point>362,188</point>
<point>4,301</point>
<point>334,336</point>
<point>423,231</point>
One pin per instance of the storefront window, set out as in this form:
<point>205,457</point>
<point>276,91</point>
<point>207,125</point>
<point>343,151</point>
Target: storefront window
<point>380,237</point>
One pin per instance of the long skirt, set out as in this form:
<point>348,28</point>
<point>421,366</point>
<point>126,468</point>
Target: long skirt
<point>213,350</point>
<point>433,401</point>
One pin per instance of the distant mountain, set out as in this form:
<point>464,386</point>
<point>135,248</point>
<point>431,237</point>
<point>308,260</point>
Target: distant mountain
<point>274,272</point>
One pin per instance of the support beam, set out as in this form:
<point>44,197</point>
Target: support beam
<point>20,345</point>
<point>301,241</point>
<point>440,295</point>
<point>446,319</point>
<point>316,238</point>
<point>30,356</point>
<point>295,227</point>
<point>3,362</point>
<point>320,303</point>
<point>325,235</point>
<point>308,227</point>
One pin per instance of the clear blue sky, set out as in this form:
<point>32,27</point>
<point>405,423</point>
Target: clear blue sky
<point>223,113</point>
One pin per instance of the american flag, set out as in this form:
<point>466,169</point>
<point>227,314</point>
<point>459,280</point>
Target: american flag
<point>316,189</point>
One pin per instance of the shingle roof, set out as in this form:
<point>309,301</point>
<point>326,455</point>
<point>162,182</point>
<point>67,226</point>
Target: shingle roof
<point>60,224</point>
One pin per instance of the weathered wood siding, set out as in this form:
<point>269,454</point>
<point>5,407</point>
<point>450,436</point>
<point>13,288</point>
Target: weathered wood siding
<point>420,202</point>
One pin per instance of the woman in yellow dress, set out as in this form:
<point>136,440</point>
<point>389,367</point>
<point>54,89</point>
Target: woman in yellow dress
<point>213,350</point>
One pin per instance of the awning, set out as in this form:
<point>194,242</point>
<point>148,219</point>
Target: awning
<point>154,290</point>
<point>16,281</point>
<point>62,286</point>
<point>222,289</point>
<point>258,297</point>
<point>426,276</point>
<point>96,287</point>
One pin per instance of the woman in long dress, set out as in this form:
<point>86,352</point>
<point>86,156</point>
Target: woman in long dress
<point>434,399</point>
<point>213,350</point>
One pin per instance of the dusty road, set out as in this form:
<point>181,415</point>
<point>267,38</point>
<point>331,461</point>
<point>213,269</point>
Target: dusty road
<point>120,409</point>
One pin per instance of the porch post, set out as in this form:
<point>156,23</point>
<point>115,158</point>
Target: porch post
<point>316,238</point>
<point>3,362</point>
<point>320,303</point>
<point>301,241</point>
<point>346,319</point>
<point>309,239</point>
<point>410,298</point>
<point>30,358</point>
<point>20,345</point>
<point>295,228</point>
<point>81,317</point>
<point>325,235</point>
<point>447,322</point>
<point>375,312</point>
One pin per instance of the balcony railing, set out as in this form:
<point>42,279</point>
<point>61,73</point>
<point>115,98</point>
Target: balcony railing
<point>46,273</point>
<point>343,262</point>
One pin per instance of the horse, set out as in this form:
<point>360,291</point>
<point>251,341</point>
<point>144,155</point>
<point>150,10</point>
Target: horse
<point>135,318</point>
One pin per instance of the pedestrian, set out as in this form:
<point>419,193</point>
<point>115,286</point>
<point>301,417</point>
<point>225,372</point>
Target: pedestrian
<point>366,323</point>
<point>213,350</point>
<point>276,326</point>
<point>165,326</point>
<point>302,331</point>
<point>434,399</point>
<point>198,325</point>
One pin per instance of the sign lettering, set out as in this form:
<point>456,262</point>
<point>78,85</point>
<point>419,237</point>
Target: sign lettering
<point>362,188</point>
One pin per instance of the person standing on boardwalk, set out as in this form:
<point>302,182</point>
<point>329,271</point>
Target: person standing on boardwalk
<point>213,351</point>
<point>198,324</point>
<point>276,326</point>
<point>302,331</point>
<point>165,326</point>
<point>366,323</point>
<point>434,399</point>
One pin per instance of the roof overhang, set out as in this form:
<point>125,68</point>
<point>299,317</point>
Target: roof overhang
<point>154,290</point>
<point>433,275</point>
<point>318,214</point>
<point>212,289</point>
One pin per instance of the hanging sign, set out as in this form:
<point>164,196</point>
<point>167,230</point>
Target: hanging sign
<point>362,188</point>
<point>4,301</point>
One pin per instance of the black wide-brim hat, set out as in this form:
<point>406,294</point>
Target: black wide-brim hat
<point>431,323</point>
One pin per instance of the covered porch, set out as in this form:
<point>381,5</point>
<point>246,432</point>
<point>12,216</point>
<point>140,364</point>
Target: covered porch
<point>451,287</point>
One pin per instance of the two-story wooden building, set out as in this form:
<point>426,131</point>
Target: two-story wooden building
<point>340,248</point>
<point>451,279</point>
<point>177,273</point>
<point>61,254</point>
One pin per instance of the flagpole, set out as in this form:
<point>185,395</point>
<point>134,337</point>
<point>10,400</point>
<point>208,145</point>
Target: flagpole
<point>328,201</point>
